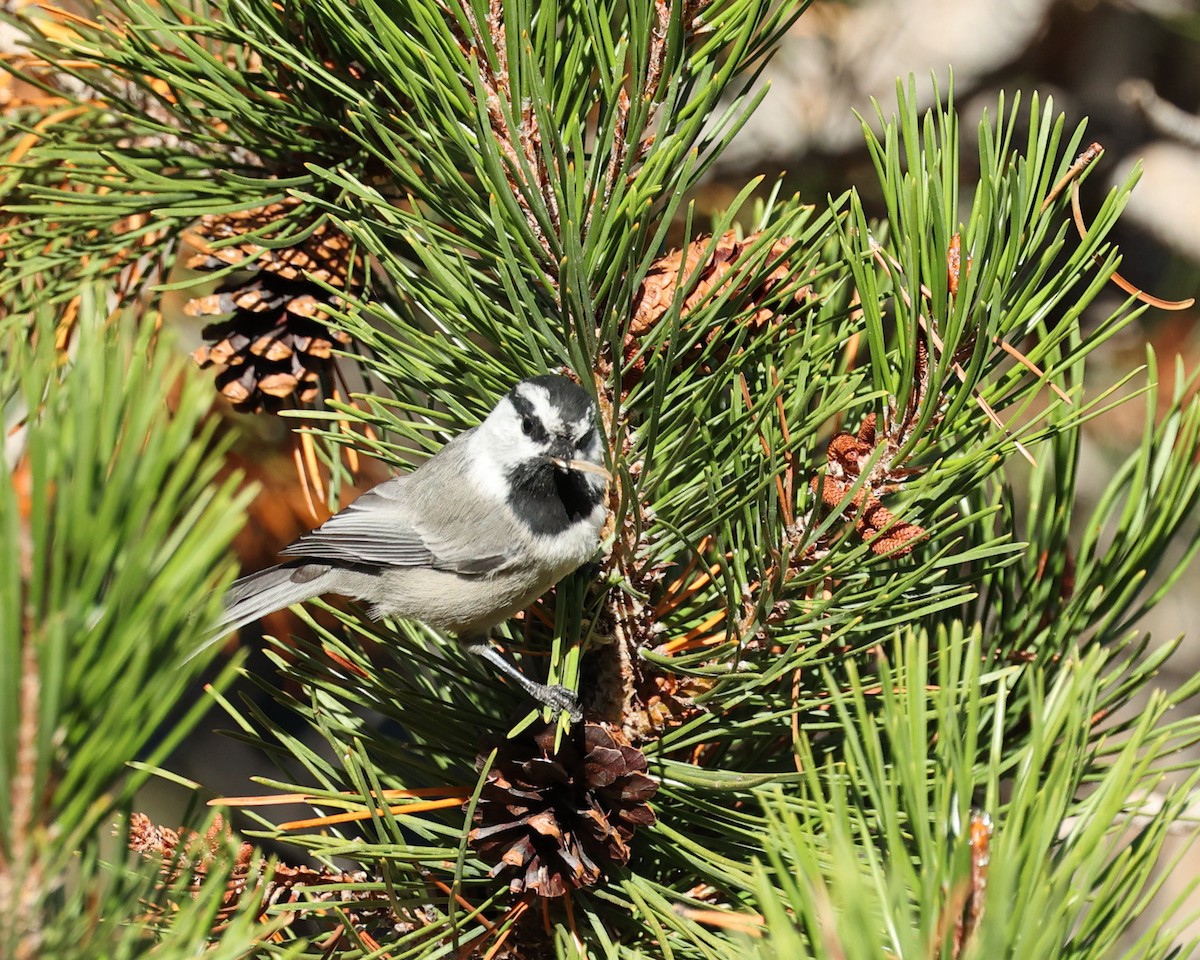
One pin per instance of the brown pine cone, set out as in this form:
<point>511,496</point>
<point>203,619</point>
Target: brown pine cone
<point>848,455</point>
<point>272,346</point>
<point>551,821</point>
<point>707,268</point>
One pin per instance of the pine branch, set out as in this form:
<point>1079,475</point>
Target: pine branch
<point>118,526</point>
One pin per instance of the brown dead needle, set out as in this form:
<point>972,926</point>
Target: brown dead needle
<point>583,466</point>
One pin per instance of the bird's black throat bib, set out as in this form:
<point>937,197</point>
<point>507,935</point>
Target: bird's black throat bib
<point>549,500</point>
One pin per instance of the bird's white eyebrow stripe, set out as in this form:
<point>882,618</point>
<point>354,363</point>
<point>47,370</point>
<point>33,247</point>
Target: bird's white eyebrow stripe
<point>539,398</point>
<point>526,408</point>
<point>584,424</point>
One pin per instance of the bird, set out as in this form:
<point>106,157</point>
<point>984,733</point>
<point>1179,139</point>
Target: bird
<point>473,535</point>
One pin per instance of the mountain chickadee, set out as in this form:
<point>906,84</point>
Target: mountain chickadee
<point>476,533</point>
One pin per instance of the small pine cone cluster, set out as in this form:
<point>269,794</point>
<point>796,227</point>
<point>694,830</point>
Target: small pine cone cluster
<point>184,849</point>
<point>668,699</point>
<point>707,268</point>
<point>847,456</point>
<point>185,852</point>
<point>270,345</point>
<point>554,821</point>
<point>251,879</point>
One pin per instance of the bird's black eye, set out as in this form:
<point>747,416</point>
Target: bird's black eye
<point>527,426</point>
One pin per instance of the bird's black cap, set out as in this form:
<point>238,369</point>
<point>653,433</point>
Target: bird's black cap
<point>565,395</point>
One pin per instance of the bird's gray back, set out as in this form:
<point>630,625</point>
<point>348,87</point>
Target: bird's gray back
<point>436,516</point>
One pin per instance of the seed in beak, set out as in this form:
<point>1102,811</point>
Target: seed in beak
<point>581,466</point>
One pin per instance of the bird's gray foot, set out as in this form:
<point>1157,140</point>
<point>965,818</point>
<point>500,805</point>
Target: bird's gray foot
<point>551,695</point>
<point>559,697</point>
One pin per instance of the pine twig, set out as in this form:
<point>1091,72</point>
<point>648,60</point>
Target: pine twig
<point>21,880</point>
<point>522,145</point>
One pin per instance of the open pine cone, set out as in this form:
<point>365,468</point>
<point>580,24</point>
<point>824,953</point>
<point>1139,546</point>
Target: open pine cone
<point>711,267</point>
<point>554,821</point>
<point>272,345</point>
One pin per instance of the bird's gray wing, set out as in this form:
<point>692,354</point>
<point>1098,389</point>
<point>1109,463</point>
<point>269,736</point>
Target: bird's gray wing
<point>377,529</point>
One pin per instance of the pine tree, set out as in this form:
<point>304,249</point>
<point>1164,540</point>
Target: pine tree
<point>855,669</point>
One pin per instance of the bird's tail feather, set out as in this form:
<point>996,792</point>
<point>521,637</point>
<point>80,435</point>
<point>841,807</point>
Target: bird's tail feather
<point>259,594</point>
<point>253,597</point>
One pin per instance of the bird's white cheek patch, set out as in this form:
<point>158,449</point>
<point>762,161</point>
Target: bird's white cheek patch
<point>498,447</point>
<point>486,474</point>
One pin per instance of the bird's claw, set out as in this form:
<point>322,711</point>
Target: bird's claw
<point>551,695</point>
<point>561,698</point>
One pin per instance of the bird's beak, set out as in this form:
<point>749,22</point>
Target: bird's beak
<point>580,466</point>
